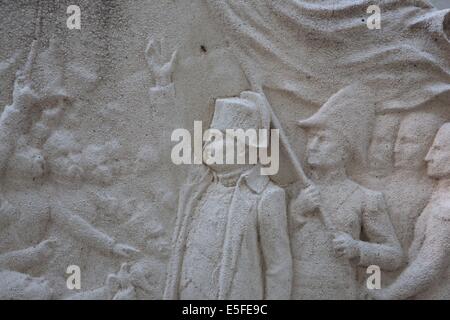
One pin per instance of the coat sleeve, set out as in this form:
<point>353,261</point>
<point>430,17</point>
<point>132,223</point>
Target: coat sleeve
<point>82,230</point>
<point>429,265</point>
<point>382,248</point>
<point>275,246</point>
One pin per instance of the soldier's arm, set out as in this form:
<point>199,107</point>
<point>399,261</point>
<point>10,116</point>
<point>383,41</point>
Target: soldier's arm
<point>82,230</point>
<point>429,265</point>
<point>273,234</point>
<point>161,72</point>
<point>14,117</point>
<point>383,248</point>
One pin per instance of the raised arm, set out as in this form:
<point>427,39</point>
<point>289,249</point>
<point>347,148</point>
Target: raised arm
<point>82,230</point>
<point>161,71</point>
<point>14,117</point>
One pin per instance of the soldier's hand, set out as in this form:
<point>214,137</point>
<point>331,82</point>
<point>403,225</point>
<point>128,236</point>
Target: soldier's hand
<point>345,246</point>
<point>307,201</point>
<point>23,96</point>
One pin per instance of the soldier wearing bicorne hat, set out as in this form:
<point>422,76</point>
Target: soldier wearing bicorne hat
<point>331,218</point>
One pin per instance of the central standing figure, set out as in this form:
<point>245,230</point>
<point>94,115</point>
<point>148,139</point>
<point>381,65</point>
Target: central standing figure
<point>230,239</point>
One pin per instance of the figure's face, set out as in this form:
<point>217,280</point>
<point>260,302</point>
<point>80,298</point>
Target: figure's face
<point>414,138</point>
<point>326,149</point>
<point>438,158</point>
<point>216,148</point>
<point>381,149</point>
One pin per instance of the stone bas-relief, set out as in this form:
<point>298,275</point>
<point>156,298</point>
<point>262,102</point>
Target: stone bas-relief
<point>87,178</point>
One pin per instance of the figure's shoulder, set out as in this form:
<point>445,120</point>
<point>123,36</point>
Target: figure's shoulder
<point>272,192</point>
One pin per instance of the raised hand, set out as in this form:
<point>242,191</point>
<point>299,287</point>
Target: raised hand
<point>307,201</point>
<point>161,71</point>
<point>23,94</point>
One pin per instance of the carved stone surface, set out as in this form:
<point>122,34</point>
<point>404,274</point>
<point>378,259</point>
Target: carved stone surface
<point>94,206</point>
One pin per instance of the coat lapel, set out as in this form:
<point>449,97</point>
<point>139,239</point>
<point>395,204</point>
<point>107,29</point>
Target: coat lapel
<point>247,189</point>
<point>245,197</point>
<point>189,195</point>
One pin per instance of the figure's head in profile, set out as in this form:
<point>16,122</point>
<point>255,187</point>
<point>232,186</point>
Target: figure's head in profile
<point>339,131</point>
<point>438,157</point>
<point>414,138</point>
<point>224,152</point>
<point>327,148</point>
<point>381,149</point>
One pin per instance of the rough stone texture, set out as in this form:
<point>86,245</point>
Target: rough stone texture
<point>88,180</point>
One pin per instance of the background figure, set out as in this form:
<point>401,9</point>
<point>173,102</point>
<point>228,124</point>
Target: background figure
<point>427,275</point>
<point>381,150</point>
<point>407,188</point>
